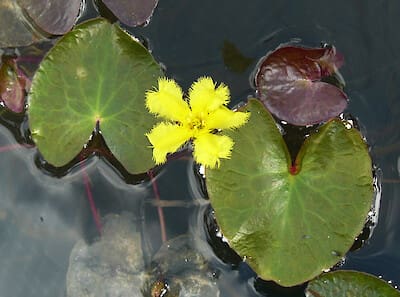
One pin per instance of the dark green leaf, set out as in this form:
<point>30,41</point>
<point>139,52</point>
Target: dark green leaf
<point>349,284</point>
<point>291,222</point>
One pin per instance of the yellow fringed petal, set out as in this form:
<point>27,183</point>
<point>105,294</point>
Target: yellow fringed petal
<point>167,138</point>
<point>204,97</point>
<point>209,148</point>
<point>167,101</point>
<point>224,118</point>
<point>205,112</point>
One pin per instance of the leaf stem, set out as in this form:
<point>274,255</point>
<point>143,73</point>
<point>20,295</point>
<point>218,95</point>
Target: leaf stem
<point>294,169</point>
<point>159,208</point>
<point>89,194</point>
<point>391,181</point>
<point>11,147</point>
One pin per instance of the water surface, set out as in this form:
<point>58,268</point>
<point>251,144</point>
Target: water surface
<point>42,217</point>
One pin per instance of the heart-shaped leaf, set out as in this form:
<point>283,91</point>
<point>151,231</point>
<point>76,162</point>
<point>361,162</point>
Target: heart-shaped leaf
<point>133,12</point>
<point>289,84</point>
<point>291,222</point>
<point>97,72</point>
<point>349,284</point>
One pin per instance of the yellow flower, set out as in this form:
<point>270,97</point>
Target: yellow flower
<point>197,119</point>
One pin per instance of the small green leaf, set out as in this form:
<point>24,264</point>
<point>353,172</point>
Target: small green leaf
<point>97,72</point>
<point>349,284</point>
<point>289,225</point>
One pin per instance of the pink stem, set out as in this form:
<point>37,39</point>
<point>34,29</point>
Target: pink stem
<point>29,59</point>
<point>391,181</point>
<point>11,147</point>
<point>95,214</point>
<point>159,208</point>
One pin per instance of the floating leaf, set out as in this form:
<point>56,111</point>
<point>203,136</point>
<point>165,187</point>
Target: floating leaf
<point>13,84</point>
<point>80,83</point>
<point>23,22</point>
<point>349,284</point>
<point>55,17</point>
<point>133,12</point>
<point>14,31</point>
<point>291,222</point>
<point>289,84</point>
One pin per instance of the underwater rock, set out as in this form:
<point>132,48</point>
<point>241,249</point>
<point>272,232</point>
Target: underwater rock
<point>110,267</point>
<point>180,270</point>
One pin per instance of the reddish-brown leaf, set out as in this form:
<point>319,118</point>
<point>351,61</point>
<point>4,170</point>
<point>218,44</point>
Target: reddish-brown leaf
<point>289,84</point>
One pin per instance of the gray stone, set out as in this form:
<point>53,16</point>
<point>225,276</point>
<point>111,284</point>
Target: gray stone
<point>113,266</point>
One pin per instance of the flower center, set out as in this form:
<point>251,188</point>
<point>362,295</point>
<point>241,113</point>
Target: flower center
<point>196,123</point>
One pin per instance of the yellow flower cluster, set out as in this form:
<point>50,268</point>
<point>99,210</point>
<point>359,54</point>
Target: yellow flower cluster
<point>198,119</point>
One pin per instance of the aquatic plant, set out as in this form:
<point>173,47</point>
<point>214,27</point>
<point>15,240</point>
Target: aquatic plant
<point>13,85</point>
<point>24,22</point>
<point>292,220</point>
<point>103,86</point>
<point>289,82</point>
<point>288,217</point>
<point>195,120</point>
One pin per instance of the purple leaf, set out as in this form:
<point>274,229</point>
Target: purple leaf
<point>13,85</point>
<point>55,17</point>
<point>14,32</point>
<point>132,12</point>
<point>289,84</point>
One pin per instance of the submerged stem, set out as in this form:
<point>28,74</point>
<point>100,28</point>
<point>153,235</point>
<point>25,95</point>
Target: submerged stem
<point>159,208</point>
<point>89,194</point>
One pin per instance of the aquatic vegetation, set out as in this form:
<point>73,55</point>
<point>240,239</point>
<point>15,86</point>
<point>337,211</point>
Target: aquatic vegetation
<point>349,284</point>
<point>104,86</point>
<point>291,220</point>
<point>288,218</point>
<point>132,13</point>
<point>196,120</point>
<point>46,15</point>
<point>24,22</point>
<point>278,205</point>
<point>13,85</point>
<point>289,83</point>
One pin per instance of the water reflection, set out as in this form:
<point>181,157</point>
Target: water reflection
<point>43,217</point>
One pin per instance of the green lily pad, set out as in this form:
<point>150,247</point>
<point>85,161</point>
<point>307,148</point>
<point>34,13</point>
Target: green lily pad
<point>291,222</point>
<point>96,72</point>
<point>349,284</point>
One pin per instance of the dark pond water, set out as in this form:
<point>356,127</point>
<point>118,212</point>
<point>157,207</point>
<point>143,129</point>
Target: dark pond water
<point>47,223</point>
